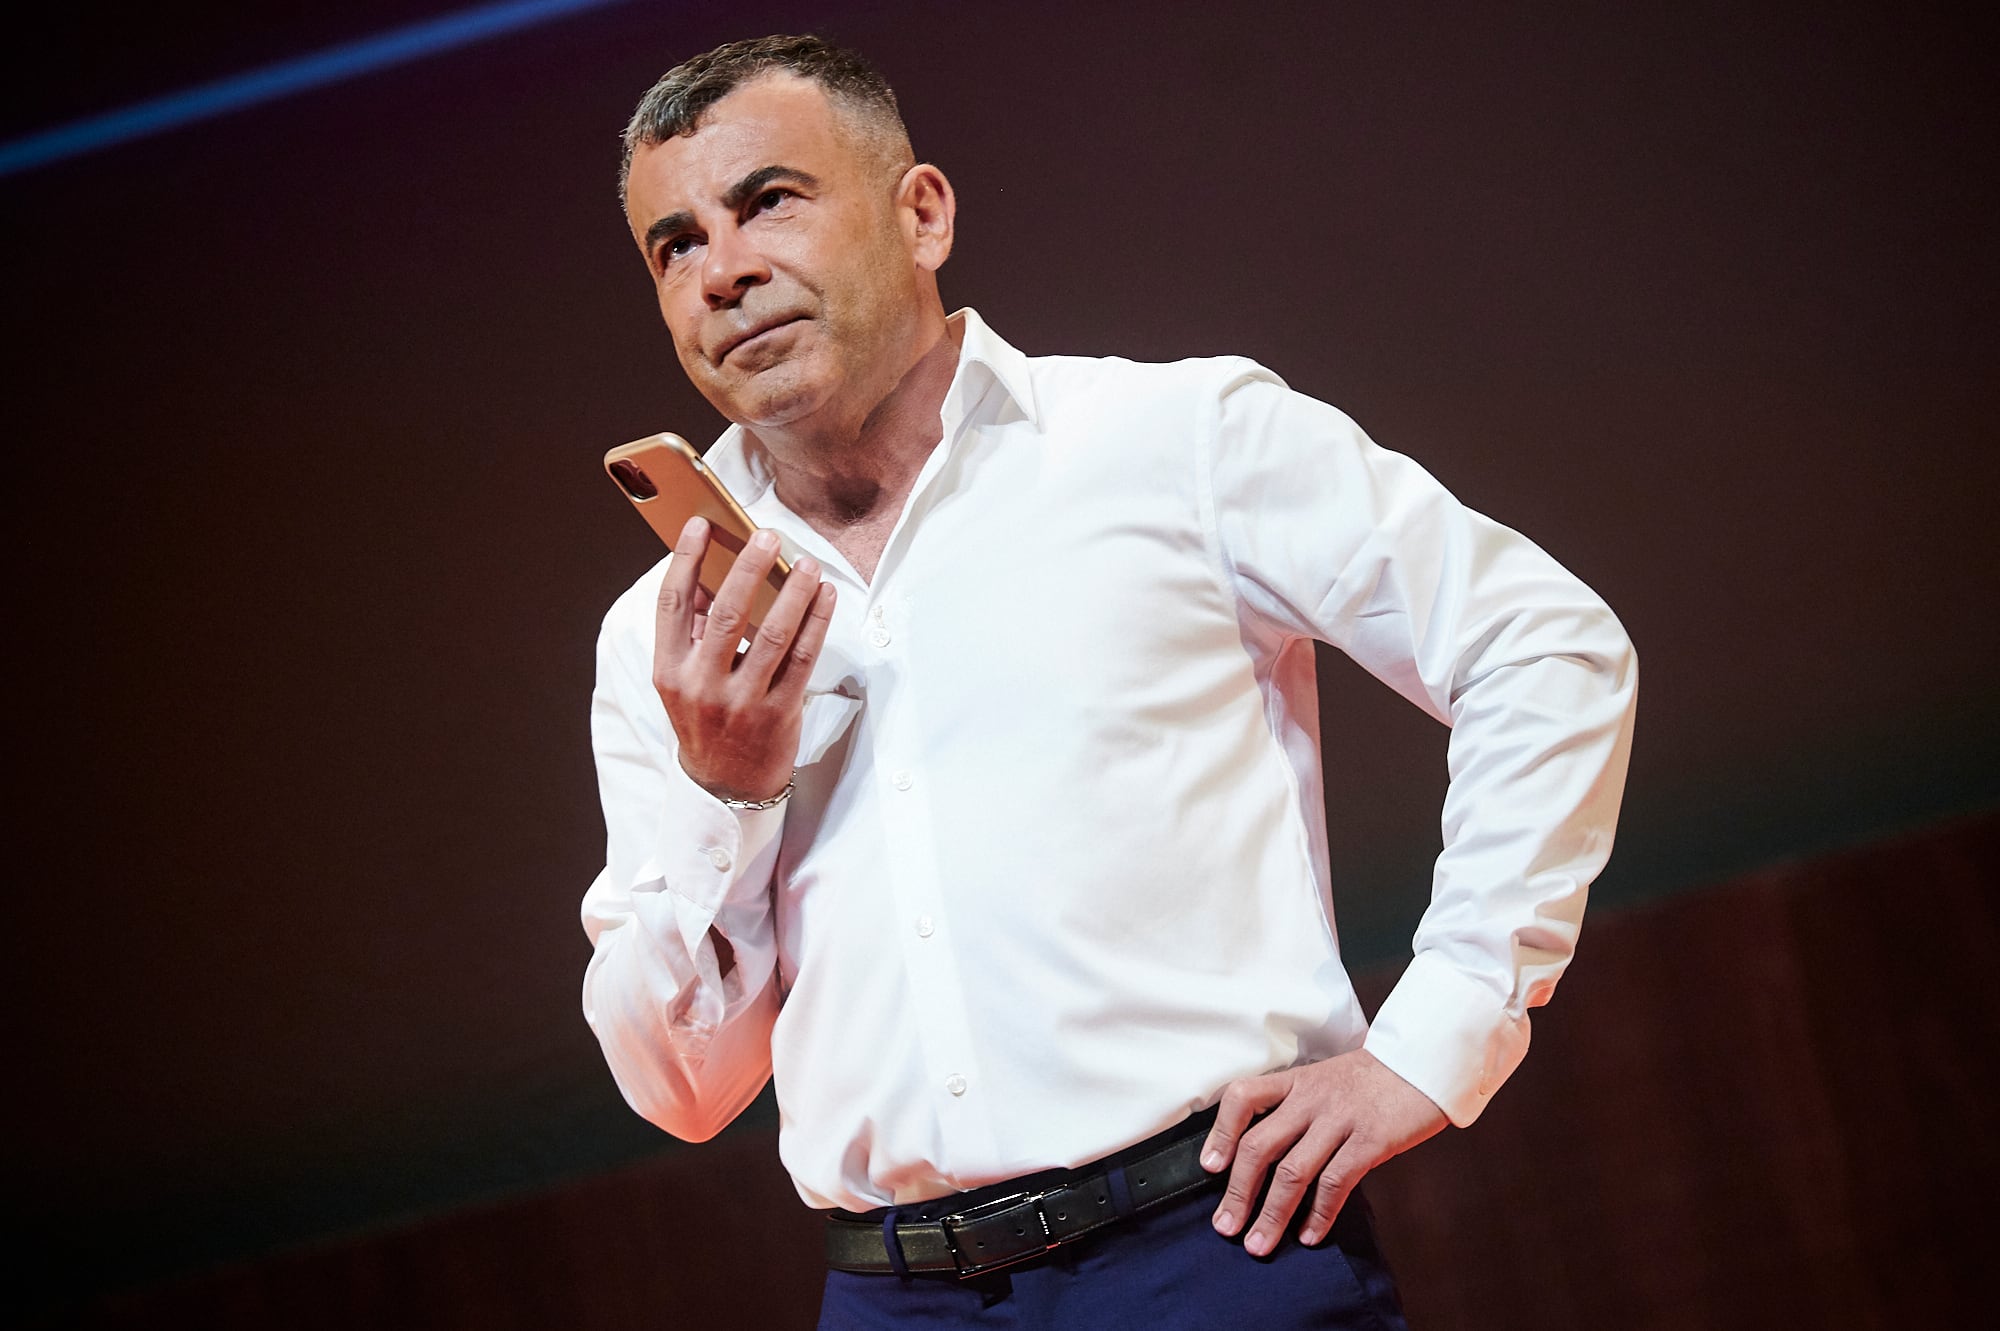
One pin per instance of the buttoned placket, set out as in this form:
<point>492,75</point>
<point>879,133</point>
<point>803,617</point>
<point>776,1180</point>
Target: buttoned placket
<point>920,910</point>
<point>915,908</point>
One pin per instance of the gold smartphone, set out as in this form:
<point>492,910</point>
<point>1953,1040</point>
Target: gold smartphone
<point>668,483</point>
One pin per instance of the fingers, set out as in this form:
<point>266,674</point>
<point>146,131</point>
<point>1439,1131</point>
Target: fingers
<point>1271,1142</point>
<point>1295,1173</point>
<point>738,731</point>
<point>729,616</point>
<point>773,641</point>
<point>1330,1122</point>
<point>702,601</point>
<point>1336,1183</point>
<point>1242,1100</point>
<point>789,687</point>
<point>1251,1149</point>
<point>675,618</point>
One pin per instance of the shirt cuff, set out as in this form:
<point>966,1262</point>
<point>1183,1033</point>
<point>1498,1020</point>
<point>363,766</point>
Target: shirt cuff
<point>1449,1035</point>
<point>706,851</point>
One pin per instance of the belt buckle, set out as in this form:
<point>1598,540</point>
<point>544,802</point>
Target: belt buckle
<point>1035,1235</point>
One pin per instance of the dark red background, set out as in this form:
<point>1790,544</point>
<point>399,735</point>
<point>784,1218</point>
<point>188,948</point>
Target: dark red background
<point>311,543</point>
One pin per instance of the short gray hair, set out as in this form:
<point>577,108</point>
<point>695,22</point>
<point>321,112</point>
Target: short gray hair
<point>676,104</point>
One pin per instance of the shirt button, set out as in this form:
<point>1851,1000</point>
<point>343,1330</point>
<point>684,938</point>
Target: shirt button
<point>955,1084</point>
<point>719,858</point>
<point>879,636</point>
<point>924,926</point>
<point>902,780</point>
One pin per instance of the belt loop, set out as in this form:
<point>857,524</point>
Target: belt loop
<point>894,1246</point>
<point>1121,1191</point>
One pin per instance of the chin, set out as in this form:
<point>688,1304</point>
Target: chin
<point>777,397</point>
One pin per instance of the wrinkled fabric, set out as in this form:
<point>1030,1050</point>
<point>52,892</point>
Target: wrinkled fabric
<point>1055,869</point>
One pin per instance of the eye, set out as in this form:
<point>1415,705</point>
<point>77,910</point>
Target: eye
<point>769,199</point>
<point>677,248</point>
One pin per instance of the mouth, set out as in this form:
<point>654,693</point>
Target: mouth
<point>751,334</point>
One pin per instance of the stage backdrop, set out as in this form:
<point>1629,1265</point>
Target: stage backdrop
<point>309,542</point>
<point>1765,1104</point>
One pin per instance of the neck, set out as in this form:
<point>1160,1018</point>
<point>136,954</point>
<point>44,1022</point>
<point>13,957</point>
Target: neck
<point>860,471</point>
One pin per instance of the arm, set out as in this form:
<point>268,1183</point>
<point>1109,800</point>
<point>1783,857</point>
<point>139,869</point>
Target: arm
<point>1325,534</point>
<point>682,988</point>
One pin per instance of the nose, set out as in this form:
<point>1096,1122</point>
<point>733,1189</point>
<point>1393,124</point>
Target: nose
<point>732,266</point>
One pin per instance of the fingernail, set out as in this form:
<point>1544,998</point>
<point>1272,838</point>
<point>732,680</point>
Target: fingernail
<point>1211,1161</point>
<point>765,540</point>
<point>1309,1237</point>
<point>1258,1244</point>
<point>1225,1223</point>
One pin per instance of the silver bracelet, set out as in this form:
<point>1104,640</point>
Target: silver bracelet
<point>770,803</point>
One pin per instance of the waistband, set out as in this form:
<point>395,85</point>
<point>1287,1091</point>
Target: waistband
<point>1013,1221</point>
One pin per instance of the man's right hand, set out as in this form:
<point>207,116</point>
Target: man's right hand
<point>737,715</point>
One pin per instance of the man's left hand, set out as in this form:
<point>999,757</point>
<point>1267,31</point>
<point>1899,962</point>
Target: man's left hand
<point>1329,1123</point>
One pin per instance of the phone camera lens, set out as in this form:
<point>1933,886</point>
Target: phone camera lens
<point>633,481</point>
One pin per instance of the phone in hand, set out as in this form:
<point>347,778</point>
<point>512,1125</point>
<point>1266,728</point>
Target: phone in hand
<point>668,483</point>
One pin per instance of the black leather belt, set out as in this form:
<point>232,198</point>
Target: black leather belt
<point>998,1226</point>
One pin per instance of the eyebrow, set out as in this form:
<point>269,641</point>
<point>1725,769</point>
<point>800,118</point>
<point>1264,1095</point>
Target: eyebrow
<point>733,199</point>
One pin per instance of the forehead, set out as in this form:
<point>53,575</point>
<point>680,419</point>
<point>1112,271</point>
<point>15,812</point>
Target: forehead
<point>776,120</point>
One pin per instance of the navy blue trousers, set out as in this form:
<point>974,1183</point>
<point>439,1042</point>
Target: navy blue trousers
<point>1160,1270</point>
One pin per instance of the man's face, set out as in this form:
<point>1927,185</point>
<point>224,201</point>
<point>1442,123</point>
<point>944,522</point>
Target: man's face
<point>779,257</point>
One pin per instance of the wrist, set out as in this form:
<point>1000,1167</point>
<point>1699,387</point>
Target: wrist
<point>751,795</point>
<point>730,802</point>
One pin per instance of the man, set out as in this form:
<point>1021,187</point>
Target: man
<point>1002,843</point>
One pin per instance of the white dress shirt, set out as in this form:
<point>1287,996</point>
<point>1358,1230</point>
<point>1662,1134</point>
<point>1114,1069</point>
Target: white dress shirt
<point>1055,870</point>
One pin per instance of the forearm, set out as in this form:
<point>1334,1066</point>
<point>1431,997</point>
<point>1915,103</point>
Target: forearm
<point>1538,680</point>
<point>681,990</point>
<point>1538,757</point>
<point>687,1039</point>
<point>1325,534</point>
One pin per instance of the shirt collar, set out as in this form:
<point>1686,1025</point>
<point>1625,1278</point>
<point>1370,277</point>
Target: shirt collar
<point>983,347</point>
<point>742,466</point>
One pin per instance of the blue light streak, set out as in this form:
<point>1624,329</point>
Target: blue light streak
<point>398,46</point>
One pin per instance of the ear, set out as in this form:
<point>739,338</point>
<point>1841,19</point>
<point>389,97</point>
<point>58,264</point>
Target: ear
<point>928,211</point>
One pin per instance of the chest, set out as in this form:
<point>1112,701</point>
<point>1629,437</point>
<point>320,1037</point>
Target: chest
<point>1032,580</point>
<point>862,542</point>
